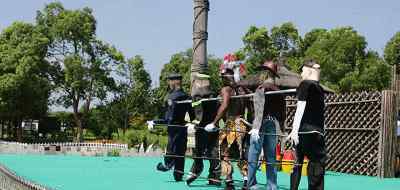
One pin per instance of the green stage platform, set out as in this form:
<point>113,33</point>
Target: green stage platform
<point>117,173</point>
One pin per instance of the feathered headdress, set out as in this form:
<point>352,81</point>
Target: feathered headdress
<point>231,62</point>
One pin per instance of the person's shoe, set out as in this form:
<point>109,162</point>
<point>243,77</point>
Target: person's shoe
<point>191,178</point>
<point>229,185</point>
<point>162,167</point>
<point>214,182</point>
<point>244,185</point>
<point>178,177</point>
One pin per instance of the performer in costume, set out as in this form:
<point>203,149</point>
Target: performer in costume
<point>309,116</point>
<point>269,113</point>
<point>232,111</point>
<point>206,144</point>
<point>177,136</point>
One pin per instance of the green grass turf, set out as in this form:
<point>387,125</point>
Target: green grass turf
<point>106,173</point>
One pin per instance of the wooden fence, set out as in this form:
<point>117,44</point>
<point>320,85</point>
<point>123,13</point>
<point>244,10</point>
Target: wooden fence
<point>360,132</point>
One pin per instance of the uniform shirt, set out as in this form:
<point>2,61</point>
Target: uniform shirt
<point>206,111</point>
<point>175,113</point>
<point>312,92</point>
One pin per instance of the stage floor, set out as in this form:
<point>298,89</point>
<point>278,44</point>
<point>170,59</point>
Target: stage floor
<point>105,173</point>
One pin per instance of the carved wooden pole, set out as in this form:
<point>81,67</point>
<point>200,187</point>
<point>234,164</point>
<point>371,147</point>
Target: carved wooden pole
<point>200,35</point>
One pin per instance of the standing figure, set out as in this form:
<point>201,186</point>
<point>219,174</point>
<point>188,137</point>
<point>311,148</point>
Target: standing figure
<point>177,136</point>
<point>206,144</point>
<point>309,117</point>
<point>269,115</point>
<point>231,140</point>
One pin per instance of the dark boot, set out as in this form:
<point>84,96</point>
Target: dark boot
<point>191,178</point>
<point>229,185</point>
<point>178,176</point>
<point>215,182</point>
<point>295,177</point>
<point>244,185</point>
<point>162,167</point>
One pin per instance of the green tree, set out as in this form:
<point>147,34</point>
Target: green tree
<point>258,47</point>
<point>346,65</point>
<point>82,64</point>
<point>104,120</point>
<point>286,39</point>
<point>289,43</point>
<point>311,37</point>
<point>372,74</point>
<point>135,92</point>
<point>392,50</point>
<point>139,96</point>
<point>24,83</point>
<point>283,42</point>
<point>180,63</point>
<point>338,51</point>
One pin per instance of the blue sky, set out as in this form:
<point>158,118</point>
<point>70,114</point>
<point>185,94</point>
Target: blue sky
<point>156,29</point>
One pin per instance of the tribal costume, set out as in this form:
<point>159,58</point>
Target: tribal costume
<point>234,134</point>
<point>231,110</point>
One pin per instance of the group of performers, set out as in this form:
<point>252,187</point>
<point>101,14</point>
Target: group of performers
<point>241,126</point>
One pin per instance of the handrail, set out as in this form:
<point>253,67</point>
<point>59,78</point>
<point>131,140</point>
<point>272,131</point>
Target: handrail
<point>97,145</point>
<point>20,180</point>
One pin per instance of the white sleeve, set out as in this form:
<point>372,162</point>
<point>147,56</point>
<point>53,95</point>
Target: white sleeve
<point>301,106</point>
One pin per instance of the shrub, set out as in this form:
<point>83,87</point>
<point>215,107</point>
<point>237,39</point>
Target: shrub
<point>113,153</point>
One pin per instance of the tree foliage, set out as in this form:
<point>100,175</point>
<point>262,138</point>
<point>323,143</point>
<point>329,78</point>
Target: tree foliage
<point>24,83</point>
<point>345,60</point>
<point>82,63</point>
<point>346,64</point>
<point>392,50</point>
<point>180,63</point>
<point>135,94</point>
<point>258,47</point>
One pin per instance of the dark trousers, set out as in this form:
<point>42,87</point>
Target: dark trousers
<point>206,146</point>
<point>312,146</point>
<point>177,142</point>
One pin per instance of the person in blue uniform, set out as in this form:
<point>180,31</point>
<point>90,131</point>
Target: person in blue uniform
<point>177,136</point>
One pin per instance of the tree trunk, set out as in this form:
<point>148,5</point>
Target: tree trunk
<point>15,128</point>
<point>78,121</point>
<point>18,130</point>
<point>85,114</point>
<point>8,129</point>
<point>125,121</point>
<point>2,129</point>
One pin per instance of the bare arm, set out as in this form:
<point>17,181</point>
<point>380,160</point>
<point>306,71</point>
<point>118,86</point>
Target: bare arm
<point>226,95</point>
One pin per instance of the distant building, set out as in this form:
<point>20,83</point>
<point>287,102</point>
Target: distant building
<point>30,125</point>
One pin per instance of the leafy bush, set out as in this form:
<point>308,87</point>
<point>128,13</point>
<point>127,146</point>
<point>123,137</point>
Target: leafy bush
<point>113,153</point>
<point>134,137</point>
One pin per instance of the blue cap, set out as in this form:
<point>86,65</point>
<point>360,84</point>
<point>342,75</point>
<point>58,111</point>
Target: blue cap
<point>174,76</point>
